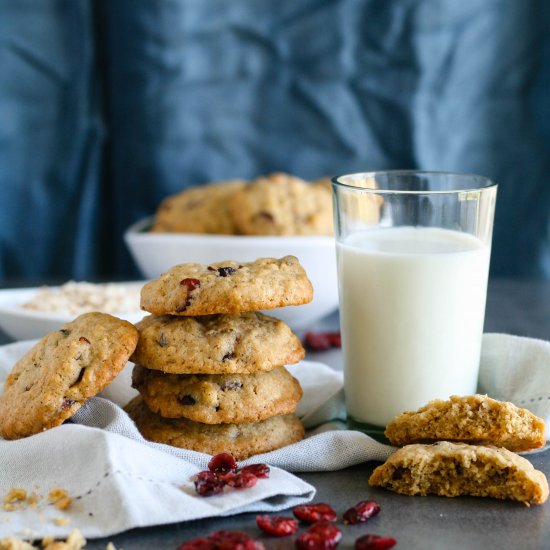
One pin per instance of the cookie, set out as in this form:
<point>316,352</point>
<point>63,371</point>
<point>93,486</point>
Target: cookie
<point>474,419</point>
<point>68,366</point>
<point>218,398</point>
<point>216,344</point>
<point>201,209</point>
<point>241,440</point>
<point>228,287</point>
<point>281,204</point>
<point>454,469</point>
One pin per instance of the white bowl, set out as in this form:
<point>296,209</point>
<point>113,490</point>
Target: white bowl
<point>155,253</point>
<point>24,324</point>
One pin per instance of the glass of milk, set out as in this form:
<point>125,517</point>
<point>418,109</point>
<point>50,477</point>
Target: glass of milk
<point>413,253</point>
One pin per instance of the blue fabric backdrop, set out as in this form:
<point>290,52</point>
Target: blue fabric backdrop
<point>108,106</point>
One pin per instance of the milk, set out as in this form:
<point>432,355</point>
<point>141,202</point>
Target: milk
<point>412,303</point>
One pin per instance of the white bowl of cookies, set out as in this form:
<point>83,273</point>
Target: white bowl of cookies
<point>269,217</point>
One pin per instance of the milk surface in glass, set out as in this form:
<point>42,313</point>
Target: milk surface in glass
<point>412,303</point>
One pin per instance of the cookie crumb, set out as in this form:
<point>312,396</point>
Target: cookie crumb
<point>14,499</point>
<point>60,498</point>
<point>11,543</point>
<point>62,520</point>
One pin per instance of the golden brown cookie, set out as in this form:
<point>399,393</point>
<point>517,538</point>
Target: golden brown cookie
<point>241,440</point>
<point>454,469</point>
<point>228,287</point>
<point>216,344</point>
<point>281,204</point>
<point>218,398</point>
<point>201,209</point>
<point>52,381</point>
<point>476,419</point>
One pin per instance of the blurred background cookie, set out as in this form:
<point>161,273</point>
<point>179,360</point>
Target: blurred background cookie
<point>201,209</point>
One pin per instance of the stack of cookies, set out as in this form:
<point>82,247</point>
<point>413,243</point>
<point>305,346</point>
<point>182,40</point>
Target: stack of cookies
<point>465,446</point>
<point>210,367</point>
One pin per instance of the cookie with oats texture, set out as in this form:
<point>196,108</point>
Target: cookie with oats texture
<point>67,367</point>
<point>228,287</point>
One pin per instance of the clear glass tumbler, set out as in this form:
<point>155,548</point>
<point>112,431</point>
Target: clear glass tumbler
<point>413,253</point>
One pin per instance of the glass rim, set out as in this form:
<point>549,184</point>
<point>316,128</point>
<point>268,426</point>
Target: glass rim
<point>489,183</point>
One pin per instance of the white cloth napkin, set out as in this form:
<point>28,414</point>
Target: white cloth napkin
<point>120,481</point>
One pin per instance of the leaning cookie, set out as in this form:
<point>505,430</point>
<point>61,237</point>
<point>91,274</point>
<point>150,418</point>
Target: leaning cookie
<point>52,381</point>
<point>228,287</point>
<point>476,419</point>
<point>218,398</point>
<point>216,344</point>
<point>241,440</point>
<point>454,469</point>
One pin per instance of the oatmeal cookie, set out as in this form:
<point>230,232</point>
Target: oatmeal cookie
<point>453,469</point>
<point>281,204</point>
<point>241,440</point>
<point>215,344</point>
<point>476,419</point>
<point>68,366</point>
<point>228,287</point>
<point>218,398</point>
<point>201,209</point>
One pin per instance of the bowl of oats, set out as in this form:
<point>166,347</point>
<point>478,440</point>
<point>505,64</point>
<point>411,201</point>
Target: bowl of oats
<point>28,313</point>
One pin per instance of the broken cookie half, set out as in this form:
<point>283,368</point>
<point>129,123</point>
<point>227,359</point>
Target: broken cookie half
<point>454,469</point>
<point>475,419</point>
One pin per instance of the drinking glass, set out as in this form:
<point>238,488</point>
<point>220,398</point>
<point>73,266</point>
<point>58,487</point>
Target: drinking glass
<point>413,252</point>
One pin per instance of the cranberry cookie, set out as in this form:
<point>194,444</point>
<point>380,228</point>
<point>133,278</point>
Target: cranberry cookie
<point>228,287</point>
<point>241,440</point>
<point>281,204</point>
<point>218,398</point>
<point>216,344</point>
<point>52,381</point>
<point>202,209</point>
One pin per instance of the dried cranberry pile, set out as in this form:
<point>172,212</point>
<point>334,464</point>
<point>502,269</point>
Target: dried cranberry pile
<point>223,471</point>
<point>321,341</point>
<point>223,540</point>
<point>322,533</point>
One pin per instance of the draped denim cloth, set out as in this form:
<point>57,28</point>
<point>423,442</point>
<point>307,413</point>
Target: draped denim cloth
<point>108,106</point>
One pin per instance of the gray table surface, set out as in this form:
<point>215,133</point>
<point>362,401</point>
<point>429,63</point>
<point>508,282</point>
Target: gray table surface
<point>516,307</point>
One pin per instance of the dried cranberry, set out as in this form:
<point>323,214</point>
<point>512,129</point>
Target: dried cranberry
<point>186,400</point>
<point>374,542</point>
<point>321,341</point>
<point>335,339</point>
<point>67,403</point>
<point>320,536</point>
<point>311,513</point>
<point>207,474</point>
<point>225,271</point>
<point>222,462</point>
<point>276,525</point>
<point>209,483</point>
<point>223,540</point>
<point>222,271</point>
<point>190,284</point>
<point>259,470</point>
<point>243,480</point>
<point>361,512</point>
